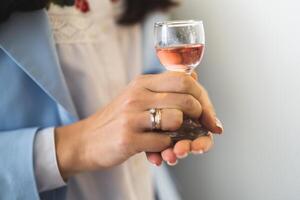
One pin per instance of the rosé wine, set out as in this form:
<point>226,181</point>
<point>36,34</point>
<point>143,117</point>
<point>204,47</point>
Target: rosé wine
<point>183,58</point>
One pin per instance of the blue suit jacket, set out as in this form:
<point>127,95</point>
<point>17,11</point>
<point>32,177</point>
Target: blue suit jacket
<point>33,95</point>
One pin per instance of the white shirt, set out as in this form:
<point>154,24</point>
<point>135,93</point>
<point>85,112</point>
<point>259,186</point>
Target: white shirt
<point>98,58</point>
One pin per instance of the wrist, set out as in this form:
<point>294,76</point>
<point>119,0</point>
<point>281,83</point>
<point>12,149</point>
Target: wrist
<point>68,149</point>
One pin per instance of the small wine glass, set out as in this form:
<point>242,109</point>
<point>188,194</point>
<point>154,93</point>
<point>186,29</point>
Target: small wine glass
<point>180,47</point>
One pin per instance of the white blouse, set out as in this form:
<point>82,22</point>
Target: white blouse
<point>98,58</point>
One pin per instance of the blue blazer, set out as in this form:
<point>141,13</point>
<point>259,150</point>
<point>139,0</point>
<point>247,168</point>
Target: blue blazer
<point>33,95</point>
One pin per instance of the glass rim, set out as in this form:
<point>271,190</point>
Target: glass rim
<point>178,23</point>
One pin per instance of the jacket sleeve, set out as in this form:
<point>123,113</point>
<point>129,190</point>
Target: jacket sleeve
<point>17,179</point>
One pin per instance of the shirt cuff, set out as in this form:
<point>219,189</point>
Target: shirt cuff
<point>45,164</point>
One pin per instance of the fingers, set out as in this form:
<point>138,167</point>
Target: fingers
<point>151,142</point>
<point>194,75</point>
<point>202,144</point>
<point>154,158</point>
<point>171,120</point>
<point>182,148</point>
<point>169,156</point>
<point>188,104</point>
<point>176,82</point>
<point>170,82</point>
<point>208,117</point>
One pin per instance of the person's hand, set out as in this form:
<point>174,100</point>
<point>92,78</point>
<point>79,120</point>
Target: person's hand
<point>123,128</point>
<point>199,146</point>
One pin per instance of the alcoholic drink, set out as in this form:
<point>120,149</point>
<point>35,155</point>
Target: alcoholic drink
<point>183,58</point>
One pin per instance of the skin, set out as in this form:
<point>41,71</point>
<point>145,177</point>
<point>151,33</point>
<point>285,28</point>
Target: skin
<point>123,128</point>
<point>199,146</point>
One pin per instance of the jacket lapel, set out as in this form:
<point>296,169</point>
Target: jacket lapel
<point>27,39</point>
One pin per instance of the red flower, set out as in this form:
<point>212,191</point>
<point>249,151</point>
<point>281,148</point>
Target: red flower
<point>82,5</point>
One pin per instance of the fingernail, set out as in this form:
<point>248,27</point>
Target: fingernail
<point>198,152</point>
<point>172,164</point>
<point>182,156</point>
<point>219,124</point>
<point>156,164</point>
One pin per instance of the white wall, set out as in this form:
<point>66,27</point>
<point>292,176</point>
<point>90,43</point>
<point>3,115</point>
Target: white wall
<point>252,71</point>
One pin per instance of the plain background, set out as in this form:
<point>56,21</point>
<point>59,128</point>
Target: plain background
<point>251,69</point>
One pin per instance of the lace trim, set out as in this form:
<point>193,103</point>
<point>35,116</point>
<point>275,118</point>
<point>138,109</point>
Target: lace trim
<point>76,27</point>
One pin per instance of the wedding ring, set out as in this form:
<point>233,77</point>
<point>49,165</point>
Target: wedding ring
<point>158,119</point>
<point>155,118</point>
<point>152,112</point>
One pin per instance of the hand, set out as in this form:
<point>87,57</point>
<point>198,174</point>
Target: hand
<point>200,145</point>
<point>123,128</point>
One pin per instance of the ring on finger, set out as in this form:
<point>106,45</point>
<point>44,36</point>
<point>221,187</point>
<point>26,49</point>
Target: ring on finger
<point>155,118</point>
<point>158,119</point>
<point>152,112</point>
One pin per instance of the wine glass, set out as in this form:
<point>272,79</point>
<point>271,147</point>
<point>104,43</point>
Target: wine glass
<point>180,46</point>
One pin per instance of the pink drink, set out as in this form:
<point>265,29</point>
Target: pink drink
<point>181,57</point>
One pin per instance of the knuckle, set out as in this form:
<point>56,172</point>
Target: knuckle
<point>137,80</point>
<point>188,102</point>
<point>192,106</point>
<point>125,121</point>
<point>176,123</point>
<point>125,142</point>
<point>131,101</point>
<point>198,110</point>
<point>161,96</point>
<point>185,83</point>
